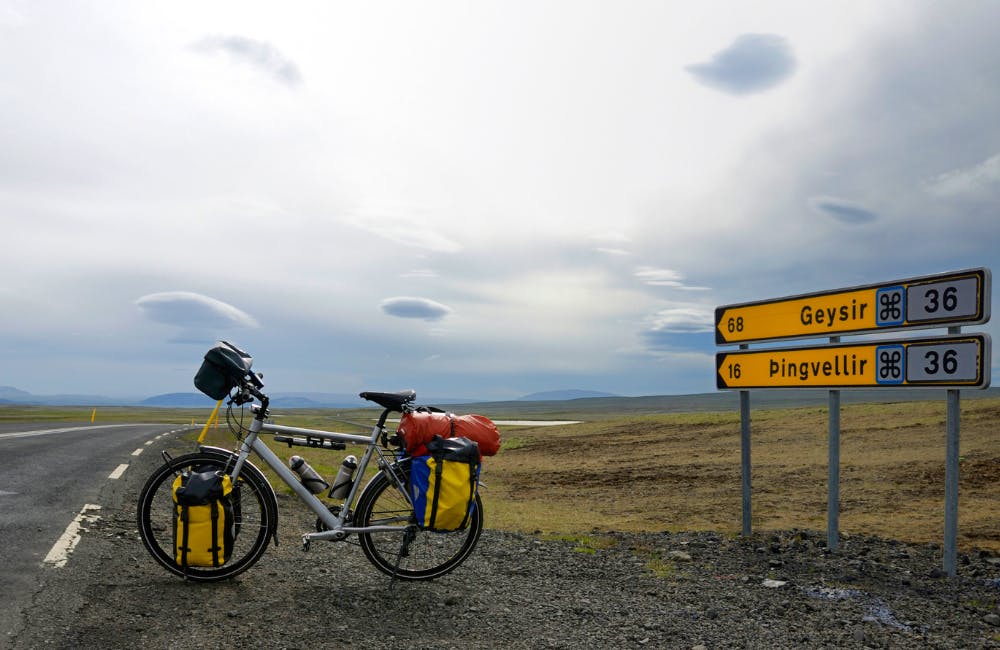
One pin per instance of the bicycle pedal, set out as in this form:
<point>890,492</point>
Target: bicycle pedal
<point>305,544</point>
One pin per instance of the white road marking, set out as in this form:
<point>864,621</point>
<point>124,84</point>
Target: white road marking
<point>59,554</point>
<point>45,432</point>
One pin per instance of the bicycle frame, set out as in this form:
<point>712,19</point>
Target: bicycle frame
<point>336,530</point>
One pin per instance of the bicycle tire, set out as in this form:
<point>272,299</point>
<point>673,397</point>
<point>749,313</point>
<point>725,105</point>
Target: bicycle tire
<point>430,554</point>
<point>256,521</point>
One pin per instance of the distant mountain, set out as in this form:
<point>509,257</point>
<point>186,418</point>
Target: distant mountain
<point>301,400</point>
<point>278,400</point>
<point>178,400</point>
<point>11,395</point>
<point>573,401</point>
<point>313,400</point>
<point>341,400</point>
<point>562,395</point>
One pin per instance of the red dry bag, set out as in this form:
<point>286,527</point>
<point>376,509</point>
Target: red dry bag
<point>419,427</point>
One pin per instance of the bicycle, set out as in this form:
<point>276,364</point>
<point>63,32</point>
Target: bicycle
<point>381,513</point>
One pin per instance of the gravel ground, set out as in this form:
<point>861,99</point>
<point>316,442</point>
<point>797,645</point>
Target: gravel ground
<point>714,591</point>
<point>657,590</point>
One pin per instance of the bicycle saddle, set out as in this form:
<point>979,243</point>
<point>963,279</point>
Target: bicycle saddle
<point>391,401</point>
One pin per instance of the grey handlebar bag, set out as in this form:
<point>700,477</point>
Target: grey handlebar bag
<point>224,366</point>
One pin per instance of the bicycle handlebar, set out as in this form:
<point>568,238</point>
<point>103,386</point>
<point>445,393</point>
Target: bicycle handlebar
<point>248,390</point>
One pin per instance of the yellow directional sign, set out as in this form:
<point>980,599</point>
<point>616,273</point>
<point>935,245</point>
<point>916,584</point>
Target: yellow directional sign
<point>950,361</point>
<point>929,301</point>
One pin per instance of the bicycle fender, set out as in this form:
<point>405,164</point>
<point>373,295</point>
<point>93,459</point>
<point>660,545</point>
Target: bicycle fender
<point>228,455</point>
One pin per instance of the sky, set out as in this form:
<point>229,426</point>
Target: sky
<point>471,199</point>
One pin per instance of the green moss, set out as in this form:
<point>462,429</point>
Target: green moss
<point>588,544</point>
<point>508,444</point>
<point>661,568</point>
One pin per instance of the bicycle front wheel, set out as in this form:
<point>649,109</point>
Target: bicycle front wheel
<point>254,507</point>
<point>410,553</point>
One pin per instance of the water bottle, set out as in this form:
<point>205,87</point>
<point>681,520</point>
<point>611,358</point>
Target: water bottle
<point>313,481</point>
<point>345,477</point>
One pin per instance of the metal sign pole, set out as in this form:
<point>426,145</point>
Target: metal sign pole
<point>951,470</point>
<point>745,455</point>
<point>833,480</point>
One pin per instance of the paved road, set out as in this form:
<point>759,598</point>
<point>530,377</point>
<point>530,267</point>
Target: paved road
<point>50,475</point>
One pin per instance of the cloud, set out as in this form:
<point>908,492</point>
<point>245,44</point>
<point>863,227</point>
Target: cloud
<point>585,201</point>
<point>422,308</point>
<point>193,311</point>
<point>968,182</point>
<point>664,278</point>
<point>677,326</point>
<point>12,15</point>
<point>393,222</point>
<point>611,236</point>
<point>419,274</point>
<point>683,319</point>
<point>611,243</point>
<point>659,277</point>
<point>258,54</point>
<point>843,211</point>
<point>752,64</point>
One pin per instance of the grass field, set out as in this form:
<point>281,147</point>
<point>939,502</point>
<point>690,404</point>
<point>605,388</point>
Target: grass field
<point>681,471</point>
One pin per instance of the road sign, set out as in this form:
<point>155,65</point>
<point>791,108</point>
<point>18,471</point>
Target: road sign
<point>929,301</point>
<point>950,361</point>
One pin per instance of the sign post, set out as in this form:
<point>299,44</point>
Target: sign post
<point>951,469</point>
<point>745,459</point>
<point>952,362</point>
<point>833,470</point>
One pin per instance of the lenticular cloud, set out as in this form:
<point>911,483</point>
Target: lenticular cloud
<point>192,310</point>
<point>258,54</point>
<point>751,64</point>
<point>421,308</point>
<point>844,211</point>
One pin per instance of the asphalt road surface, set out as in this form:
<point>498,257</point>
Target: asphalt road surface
<point>51,475</point>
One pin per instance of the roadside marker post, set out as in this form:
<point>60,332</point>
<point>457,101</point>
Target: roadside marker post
<point>952,362</point>
<point>214,417</point>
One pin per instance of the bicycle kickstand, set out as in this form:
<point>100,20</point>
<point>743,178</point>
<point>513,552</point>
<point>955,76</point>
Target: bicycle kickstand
<point>404,551</point>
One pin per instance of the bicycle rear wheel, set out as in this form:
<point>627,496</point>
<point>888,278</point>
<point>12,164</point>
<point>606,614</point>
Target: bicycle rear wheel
<point>254,506</point>
<point>427,555</point>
